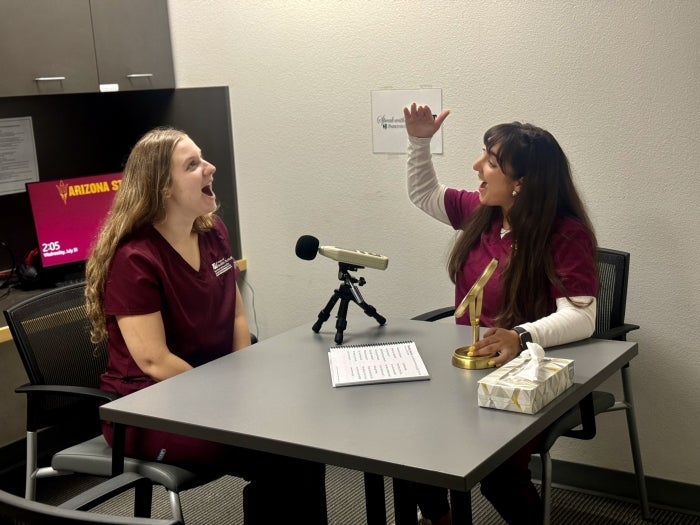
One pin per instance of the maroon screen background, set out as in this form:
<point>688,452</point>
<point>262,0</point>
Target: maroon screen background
<point>68,214</point>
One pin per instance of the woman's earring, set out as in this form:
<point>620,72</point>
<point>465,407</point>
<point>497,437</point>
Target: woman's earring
<point>515,193</point>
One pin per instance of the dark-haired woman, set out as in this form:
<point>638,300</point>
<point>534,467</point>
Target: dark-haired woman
<point>527,214</point>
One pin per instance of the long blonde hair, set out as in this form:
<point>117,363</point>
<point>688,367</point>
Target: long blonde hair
<point>139,201</point>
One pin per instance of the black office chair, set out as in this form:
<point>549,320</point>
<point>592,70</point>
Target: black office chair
<point>21,511</point>
<point>52,334</point>
<point>579,422</point>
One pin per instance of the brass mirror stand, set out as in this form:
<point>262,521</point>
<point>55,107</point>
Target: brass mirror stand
<point>472,302</point>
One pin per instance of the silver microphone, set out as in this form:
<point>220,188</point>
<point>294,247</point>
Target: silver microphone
<point>308,246</point>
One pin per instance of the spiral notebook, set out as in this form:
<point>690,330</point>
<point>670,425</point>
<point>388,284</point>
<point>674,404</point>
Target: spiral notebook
<point>376,363</point>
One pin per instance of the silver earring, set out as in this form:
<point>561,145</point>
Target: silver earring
<point>515,193</point>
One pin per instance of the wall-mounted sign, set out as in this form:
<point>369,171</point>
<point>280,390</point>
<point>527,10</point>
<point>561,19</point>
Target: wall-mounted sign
<point>388,128</point>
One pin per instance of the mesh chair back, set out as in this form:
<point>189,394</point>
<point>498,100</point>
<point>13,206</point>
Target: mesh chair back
<point>52,335</point>
<point>612,292</point>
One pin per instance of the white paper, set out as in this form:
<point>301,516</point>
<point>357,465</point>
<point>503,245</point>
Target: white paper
<point>377,363</point>
<point>388,126</point>
<point>18,164</point>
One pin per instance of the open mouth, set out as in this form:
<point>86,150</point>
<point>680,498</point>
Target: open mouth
<point>208,191</point>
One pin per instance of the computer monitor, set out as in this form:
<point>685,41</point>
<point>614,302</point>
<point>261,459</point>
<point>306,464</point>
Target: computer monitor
<point>68,214</point>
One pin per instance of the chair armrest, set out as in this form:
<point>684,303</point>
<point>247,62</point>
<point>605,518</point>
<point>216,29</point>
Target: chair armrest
<point>617,332</point>
<point>80,391</point>
<point>582,415</point>
<point>108,489</point>
<point>435,315</point>
<point>587,415</point>
<point>41,414</point>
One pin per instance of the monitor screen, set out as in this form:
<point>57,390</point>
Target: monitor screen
<point>68,214</point>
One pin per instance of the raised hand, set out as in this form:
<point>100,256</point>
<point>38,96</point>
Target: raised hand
<point>420,121</point>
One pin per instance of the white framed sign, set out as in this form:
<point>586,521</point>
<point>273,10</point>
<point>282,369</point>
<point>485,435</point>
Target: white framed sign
<point>388,127</point>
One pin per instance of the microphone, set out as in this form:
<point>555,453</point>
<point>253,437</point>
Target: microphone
<point>308,246</point>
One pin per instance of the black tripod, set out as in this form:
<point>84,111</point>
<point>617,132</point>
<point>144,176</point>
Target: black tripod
<point>346,292</point>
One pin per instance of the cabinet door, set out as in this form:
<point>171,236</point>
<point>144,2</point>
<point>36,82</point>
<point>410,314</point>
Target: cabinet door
<point>132,44</point>
<point>46,46</point>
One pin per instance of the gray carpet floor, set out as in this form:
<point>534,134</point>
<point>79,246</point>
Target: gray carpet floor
<point>220,503</point>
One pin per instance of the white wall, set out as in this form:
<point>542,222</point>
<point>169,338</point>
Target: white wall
<point>617,82</point>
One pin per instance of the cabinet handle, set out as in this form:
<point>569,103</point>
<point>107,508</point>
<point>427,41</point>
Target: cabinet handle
<point>44,79</point>
<point>139,75</point>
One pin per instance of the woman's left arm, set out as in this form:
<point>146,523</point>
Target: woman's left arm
<point>241,332</point>
<point>567,324</point>
<point>573,255</point>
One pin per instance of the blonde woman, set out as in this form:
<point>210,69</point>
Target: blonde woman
<point>161,288</point>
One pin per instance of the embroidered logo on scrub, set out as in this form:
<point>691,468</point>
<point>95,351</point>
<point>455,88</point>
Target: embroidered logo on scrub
<point>223,265</point>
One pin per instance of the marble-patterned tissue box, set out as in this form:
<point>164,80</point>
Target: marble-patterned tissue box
<point>512,387</point>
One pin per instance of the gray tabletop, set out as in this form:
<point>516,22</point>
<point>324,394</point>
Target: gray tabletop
<point>276,396</point>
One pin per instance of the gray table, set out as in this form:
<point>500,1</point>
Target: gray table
<point>276,396</point>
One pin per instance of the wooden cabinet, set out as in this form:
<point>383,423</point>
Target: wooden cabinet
<point>79,46</point>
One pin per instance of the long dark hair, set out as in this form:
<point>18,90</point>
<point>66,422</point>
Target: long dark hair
<point>547,194</point>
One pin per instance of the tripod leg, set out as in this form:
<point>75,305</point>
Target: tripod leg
<point>356,296</point>
<point>372,312</point>
<point>326,312</point>
<point>342,322</point>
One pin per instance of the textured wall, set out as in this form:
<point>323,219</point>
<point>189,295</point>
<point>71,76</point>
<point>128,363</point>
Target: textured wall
<point>618,83</point>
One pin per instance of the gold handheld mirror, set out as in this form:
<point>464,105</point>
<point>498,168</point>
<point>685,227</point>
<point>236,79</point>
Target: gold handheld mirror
<point>472,302</point>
